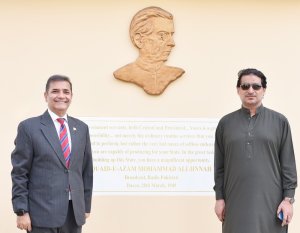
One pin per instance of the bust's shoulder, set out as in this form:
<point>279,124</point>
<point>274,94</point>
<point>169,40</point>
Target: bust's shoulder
<point>126,72</point>
<point>172,71</point>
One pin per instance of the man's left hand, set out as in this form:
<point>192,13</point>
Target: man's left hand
<point>287,209</point>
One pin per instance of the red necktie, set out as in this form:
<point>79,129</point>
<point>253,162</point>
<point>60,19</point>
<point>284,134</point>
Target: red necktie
<point>64,141</point>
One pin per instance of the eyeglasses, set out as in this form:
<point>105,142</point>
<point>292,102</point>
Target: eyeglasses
<point>246,86</point>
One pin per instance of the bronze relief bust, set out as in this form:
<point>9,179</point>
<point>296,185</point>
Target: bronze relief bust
<point>151,31</point>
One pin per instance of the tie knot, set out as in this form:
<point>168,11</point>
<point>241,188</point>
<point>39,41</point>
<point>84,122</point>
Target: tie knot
<point>61,120</point>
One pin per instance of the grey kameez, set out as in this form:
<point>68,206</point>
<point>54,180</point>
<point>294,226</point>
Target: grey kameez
<point>254,169</point>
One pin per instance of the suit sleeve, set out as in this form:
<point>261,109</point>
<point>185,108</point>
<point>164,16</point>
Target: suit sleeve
<point>21,159</point>
<point>87,174</point>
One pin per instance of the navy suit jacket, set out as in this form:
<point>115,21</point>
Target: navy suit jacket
<point>41,180</point>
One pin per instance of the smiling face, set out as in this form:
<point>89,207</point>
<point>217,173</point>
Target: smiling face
<point>251,98</point>
<point>59,97</point>
<point>157,46</point>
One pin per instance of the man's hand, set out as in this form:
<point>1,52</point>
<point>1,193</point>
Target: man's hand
<point>87,215</point>
<point>220,209</point>
<point>24,222</point>
<point>287,209</point>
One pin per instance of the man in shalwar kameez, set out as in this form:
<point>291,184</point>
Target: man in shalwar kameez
<point>255,170</point>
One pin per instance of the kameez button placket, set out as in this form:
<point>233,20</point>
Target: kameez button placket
<point>249,149</point>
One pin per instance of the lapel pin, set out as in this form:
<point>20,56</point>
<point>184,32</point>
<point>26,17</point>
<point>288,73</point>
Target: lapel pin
<point>74,129</point>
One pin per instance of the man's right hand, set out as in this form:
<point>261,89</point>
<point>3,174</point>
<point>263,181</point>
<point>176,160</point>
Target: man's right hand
<point>220,209</point>
<point>24,222</point>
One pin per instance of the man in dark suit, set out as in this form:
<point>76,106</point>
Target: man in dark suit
<point>52,173</point>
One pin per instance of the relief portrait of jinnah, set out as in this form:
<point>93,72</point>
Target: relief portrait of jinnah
<point>151,31</point>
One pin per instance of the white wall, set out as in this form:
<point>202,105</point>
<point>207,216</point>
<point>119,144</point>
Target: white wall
<point>88,40</point>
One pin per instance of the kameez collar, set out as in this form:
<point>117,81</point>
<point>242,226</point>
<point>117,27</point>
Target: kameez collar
<point>247,111</point>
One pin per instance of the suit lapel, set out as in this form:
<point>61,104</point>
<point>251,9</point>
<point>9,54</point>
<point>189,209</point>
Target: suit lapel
<point>74,138</point>
<point>49,131</point>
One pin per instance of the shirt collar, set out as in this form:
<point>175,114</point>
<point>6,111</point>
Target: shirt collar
<point>54,116</point>
<point>150,67</point>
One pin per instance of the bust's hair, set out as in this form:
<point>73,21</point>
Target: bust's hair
<point>141,22</point>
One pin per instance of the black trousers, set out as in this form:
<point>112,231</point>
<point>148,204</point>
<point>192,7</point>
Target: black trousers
<point>70,225</point>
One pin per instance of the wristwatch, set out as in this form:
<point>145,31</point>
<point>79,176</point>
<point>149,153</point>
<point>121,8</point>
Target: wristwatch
<point>20,212</point>
<point>291,200</point>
